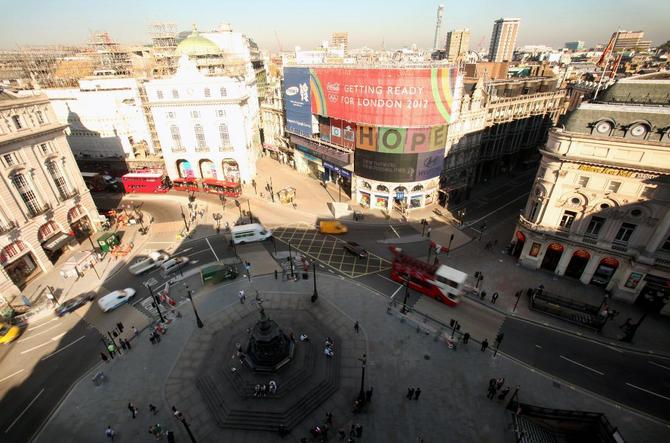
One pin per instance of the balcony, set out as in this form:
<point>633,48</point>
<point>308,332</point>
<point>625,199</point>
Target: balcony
<point>64,196</point>
<point>178,149</point>
<point>589,239</point>
<point>619,246</point>
<point>202,149</point>
<point>226,148</point>
<point>39,210</point>
<point>7,226</point>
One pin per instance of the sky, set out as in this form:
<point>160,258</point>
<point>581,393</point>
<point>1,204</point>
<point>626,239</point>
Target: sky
<point>393,23</point>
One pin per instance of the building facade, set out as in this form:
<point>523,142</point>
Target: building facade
<point>630,40</point>
<point>599,210</point>
<point>340,40</point>
<point>503,39</point>
<point>458,44</point>
<point>575,46</point>
<point>44,204</point>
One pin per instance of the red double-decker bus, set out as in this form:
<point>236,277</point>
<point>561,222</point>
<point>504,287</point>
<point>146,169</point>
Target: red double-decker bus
<point>185,184</point>
<point>229,189</point>
<point>144,182</point>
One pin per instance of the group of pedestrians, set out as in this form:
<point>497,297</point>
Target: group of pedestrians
<point>111,347</point>
<point>155,334</point>
<point>495,385</point>
<point>155,429</point>
<point>413,393</point>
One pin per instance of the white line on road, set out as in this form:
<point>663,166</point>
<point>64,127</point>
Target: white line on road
<point>583,366</point>
<point>386,278</point>
<point>651,362</point>
<point>11,375</point>
<point>38,334</point>
<point>63,348</point>
<point>538,346</point>
<point>474,222</point>
<point>43,344</point>
<point>24,411</point>
<point>39,326</point>
<point>648,391</point>
<point>394,231</point>
<point>210,247</point>
<point>396,291</point>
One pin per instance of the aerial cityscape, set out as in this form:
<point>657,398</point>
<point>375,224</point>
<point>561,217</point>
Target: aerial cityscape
<point>265,221</point>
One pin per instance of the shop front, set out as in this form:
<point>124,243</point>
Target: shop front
<point>308,164</point>
<point>655,296</point>
<point>19,263</point>
<point>79,222</point>
<point>338,175</point>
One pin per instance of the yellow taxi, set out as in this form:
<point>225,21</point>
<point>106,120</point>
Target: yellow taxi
<point>8,333</point>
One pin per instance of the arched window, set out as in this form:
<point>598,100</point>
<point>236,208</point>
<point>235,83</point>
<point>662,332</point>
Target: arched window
<point>59,180</point>
<point>199,137</point>
<point>225,137</point>
<point>176,137</point>
<point>382,188</point>
<point>27,194</point>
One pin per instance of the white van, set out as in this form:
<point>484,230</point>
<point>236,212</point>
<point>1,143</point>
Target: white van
<point>249,233</point>
<point>173,265</point>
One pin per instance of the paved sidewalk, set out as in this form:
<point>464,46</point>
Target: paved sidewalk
<point>453,401</point>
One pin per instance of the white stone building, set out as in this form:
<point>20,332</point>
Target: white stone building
<point>44,203</point>
<point>599,210</point>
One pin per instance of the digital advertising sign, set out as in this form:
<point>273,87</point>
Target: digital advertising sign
<point>297,101</point>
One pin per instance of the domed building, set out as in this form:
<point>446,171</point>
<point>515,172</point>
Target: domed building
<point>207,55</point>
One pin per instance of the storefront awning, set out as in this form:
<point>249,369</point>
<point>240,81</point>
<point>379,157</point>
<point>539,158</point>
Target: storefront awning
<point>56,242</point>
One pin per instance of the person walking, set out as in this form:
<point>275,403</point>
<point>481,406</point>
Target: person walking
<point>491,392</point>
<point>109,432</point>
<point>482,295</point>
<point>329,418</point>
<point>410,393</point>
<point>485,344</point>
<point>132,409</point>
<point>104,357</point>
<point>466,338</point>
<point>135,331</point>
<point>111,349</point>
<point>241,296</point>
<point>127,344</point>
<point>123,344</point>
<point>499,383</point>
<point>368,394</point>
<point>494,297</point>
<point>356,327</point>
<point>152,338</point>
<point>157,337</point>
<point>417,393</point>
<point>153,409</point>
<point>177,414</point>
<point>503,393</point>
<point>428,231</point>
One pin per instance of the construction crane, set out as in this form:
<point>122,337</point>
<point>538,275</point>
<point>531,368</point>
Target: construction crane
<point>278,41</point>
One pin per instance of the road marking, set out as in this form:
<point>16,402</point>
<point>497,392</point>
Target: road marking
<point>63,348</point>
<point>396,291</point>
<point>11,375</point>
<point>394,231</point>
<point>24,411</point>
<point>39,326</point>
<point>210,247</point>
<point>583,366</point>
<point>43,344</point>
<point>614,349</point>
<point>386,278</point>
<point>538,346</point>
<point>37,334</point>
<point>474,222</point>
<point>651,362</point>
<point>648,391</point>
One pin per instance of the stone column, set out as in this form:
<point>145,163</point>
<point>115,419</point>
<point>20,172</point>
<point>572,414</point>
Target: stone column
<point>565,260</point>
<point>590,268</point>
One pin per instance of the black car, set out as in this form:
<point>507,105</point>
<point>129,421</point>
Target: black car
<point>355,249</point>
<point>74,303</point>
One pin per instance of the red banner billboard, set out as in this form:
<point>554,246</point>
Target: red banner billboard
<point>385,97</point>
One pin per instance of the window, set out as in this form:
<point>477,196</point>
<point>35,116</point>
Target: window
<point>575,201</point>
<point>170,114</point>
<point>647,191</point>
<point>59,180</point>
<point>614,186</point>
<point>176,137</point>
<point>175,93</point>
<point>636,212</point>
<point>27,194</point>
<point>199,137</point>
<point>533,211</point>
<point>159,94</point>
<point>567,219</point>
<point>223,92</point>
<point>220,113</point>
<point>45,148</point>
<point>9,159</point>
<point>195,114</point>
<point>207,92</point>
<point>625,232</point>
<point>40,117</point>
<point>223,133</point>
<point>666,245</point>
<point>541,172</point>
<point>594,227</point>
<point>583,181</point>
<point>17,122</point>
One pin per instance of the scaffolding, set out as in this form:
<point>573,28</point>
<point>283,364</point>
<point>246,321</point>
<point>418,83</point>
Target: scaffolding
<point>164,45</point>
<point>112,58</point>
<point>46,66</point>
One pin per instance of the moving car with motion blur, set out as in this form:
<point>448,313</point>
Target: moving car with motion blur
<point>115,299</point>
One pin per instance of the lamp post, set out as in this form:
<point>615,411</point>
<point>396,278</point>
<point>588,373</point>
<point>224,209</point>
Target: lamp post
<point>361,393</point>
<point>239,207</point>
<point>251,217</point>
<point>271,190</point>
<point>404,303</point>
<point>197,317</point>
<point>481,233</point>
<point>451,238</point>
<point>315,296</point>
<point>183,217</point>
<point>223,203</point>
<point>188,429</point>
<point>158,307</point>
<point>290,259</point>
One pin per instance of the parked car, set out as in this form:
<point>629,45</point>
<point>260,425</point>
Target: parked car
<point>355,249</point>
<point>8,333</point>
<point>115,299</point>
<point>148,263</point>
<point>74,303</point>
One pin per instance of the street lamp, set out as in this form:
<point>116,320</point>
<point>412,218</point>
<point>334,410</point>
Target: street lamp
<point>404,303</point>
<point>158,308</point>
<point>239,207</point>
<point>183,217</point>
<point>197,317</point>
<point>223,202</point>
<point>361,393</point>
<point>271,190</point>
<point>481,233</point>
<point>251,217</point>
<point>188,429</point>
<point>315,296</point>
<point>449,247</point>
<point>290,259</point>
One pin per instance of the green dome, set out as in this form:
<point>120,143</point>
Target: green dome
<point>195,44</point>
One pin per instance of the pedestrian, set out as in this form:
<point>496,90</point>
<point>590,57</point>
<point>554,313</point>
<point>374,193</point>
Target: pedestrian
<point>499,383</point>
<point>359,430</point>
<point>494,297</point>
<point>132,409</point>
<point>152,338</point>
<point>111,349</point>
<point>485,344</point>
<point>356,327</point>
<point>127,344</point>
<point>241,296</point>
<point>157,336</point>
<point>177,414</point>
<point>341,434</point>
<point>104,357</point>
<point>352,431</point>
<point>410,393</point>
<point>123,344</point>
<point>466,338</point>
<point>329,418</point>
<point>135,332</point>
<point>170,436</point>
<point>482,295</point>
<point>153,409</point>
<point>428,231</point>
<point>503,393</point>
<point>417,393</point>
<point>109,432</point>
<point>368,394</point>
<point>491,392</point>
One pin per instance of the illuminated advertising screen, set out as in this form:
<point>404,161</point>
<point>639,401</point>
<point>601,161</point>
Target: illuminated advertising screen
<point>297,101</point>
<point>384,97</point>
<point>385,167</point>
